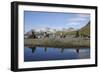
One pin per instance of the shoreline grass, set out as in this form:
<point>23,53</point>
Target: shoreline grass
<point>58,43</point>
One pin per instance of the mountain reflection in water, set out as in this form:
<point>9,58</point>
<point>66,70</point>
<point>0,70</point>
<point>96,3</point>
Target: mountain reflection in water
<point>48,53</point>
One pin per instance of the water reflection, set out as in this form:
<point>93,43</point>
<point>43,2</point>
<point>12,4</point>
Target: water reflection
<point>62,50</point>
<point>77,50</point>
<point>47,53</point>
<point>45,49</point>
<point>33,49</point>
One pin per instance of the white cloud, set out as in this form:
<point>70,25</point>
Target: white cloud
<point>83,15</point>
<point>73,23</point>
<point>77,19</point>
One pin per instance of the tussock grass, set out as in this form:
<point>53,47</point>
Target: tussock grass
<point>66,42</point>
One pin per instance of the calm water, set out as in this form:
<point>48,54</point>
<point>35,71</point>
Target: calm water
<point>42,54</point>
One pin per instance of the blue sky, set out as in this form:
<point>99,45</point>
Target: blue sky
<point>38,20</point>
